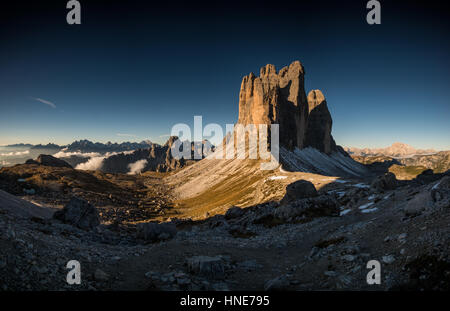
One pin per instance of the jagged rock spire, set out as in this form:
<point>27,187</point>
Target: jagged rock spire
<point>279,97</point>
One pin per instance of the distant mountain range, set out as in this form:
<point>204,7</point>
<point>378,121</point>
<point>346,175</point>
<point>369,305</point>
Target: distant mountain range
<point>19,146</point>
<point>131,158</point>
<point>395,150</point>
<point>89,146</point>
<point>48,146</point>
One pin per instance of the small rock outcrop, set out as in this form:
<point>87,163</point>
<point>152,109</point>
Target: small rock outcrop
<point>211,267</point>
<point>100,275</point>
<point>320,206</point>
<point>152,231</point>
<point>79,213</point>
<point>440,192</point>
<point>280,98</point>
<point>234,212</point>
<point>388,181</point>
<point>48,160</point>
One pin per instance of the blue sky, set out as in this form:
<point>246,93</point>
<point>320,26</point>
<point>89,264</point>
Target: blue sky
<point>131,71</point>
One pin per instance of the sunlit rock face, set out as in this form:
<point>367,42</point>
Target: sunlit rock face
<point>280,98</point>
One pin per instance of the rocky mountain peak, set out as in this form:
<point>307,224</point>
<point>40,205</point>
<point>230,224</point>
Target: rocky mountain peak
<point>267,70</point>
<point>315,98</point>
<point>280,98</point>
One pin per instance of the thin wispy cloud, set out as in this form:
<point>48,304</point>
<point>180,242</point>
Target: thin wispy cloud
<point>125,135</point>
<point>165,135</point>
<point>46,102</point>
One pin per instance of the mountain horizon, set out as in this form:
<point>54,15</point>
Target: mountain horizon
<point>395,149</point>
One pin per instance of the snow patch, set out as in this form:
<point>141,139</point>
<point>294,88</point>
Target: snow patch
<point>369,210</point>
<point>340,193</point>
<point>341,181</point>
<point>436,185</point>
<point>365,205</point>
<point>344,212</point>
<point>361,185</point>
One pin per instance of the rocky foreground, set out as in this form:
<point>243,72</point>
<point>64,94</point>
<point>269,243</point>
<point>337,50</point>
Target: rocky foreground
<point>310,240</point>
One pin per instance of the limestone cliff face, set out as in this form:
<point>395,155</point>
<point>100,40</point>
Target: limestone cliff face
<point>280,98</point>
<point>318,131</point>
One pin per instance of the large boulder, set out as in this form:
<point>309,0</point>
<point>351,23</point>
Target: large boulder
<point>301,189</point>
<point>440,192</point>
<point>152,231</point>
<point>418,204</point>
<point>211,267</point>
<point>434,196</point>
<point>79,213</point>
<point>388,181</point>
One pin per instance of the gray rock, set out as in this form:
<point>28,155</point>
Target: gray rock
<point>330,273</point>
<point>388,181</point>
<point>234,212</point>
<point>100,275</point>
<point>300,189</point>
<point>277,284</point>
<point>348,258</point>
<point>221,287</point>
<point>79,213</point>
<point>29,191</point>
<point>151,231</point>
<point>440,192</point>
<point>310,207</point>
<point>418,204</point>
<point>388,259</point>
<point>402,237</point>
<point>212,267</point>
<point>249,265</point>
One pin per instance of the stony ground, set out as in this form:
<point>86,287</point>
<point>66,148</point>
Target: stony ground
<point>316,242</point>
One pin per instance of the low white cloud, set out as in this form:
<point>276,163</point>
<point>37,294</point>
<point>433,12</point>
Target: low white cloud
<point>48,103</point>
<point>96,162</point>
<point>64,154</point>
<point>4,163</point>
<point>15,154</point>
<point>93,164</point>
<point>137,167</point>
